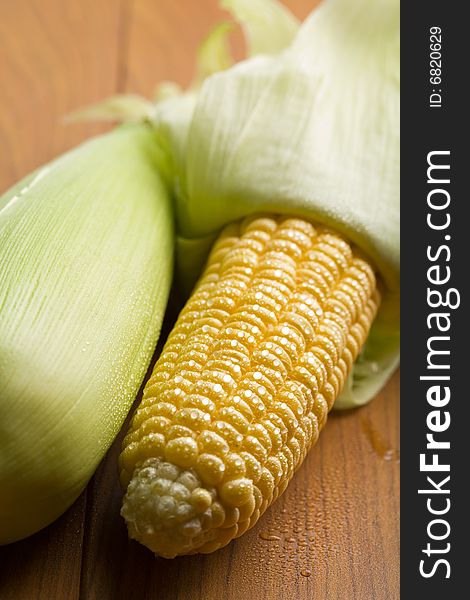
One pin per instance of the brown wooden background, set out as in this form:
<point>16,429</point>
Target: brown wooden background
<point>335,532</point>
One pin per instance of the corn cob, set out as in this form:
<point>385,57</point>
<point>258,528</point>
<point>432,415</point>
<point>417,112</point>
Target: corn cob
<point>244,383</point>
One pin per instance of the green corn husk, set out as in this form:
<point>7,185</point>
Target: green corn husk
<point>86,260</point>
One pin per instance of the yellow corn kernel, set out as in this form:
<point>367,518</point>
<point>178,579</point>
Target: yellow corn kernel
<point>244,384</point>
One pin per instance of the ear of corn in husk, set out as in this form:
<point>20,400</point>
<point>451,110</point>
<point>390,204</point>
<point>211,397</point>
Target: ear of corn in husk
<point>86,254</point>
<point>274,332</point>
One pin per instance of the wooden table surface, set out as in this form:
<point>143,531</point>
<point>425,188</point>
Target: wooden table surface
<point>334,534</point>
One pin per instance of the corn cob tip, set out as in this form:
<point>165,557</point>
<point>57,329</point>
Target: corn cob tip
<point>169,510</point>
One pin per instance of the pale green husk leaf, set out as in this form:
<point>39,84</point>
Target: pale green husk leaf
<point>214,54</point>
<point>86,260</point>
<point>268,25</point>
<point>121,107</point>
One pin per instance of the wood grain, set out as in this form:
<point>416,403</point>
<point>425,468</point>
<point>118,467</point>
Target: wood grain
<point>334,534</point>
<point>55,56</point>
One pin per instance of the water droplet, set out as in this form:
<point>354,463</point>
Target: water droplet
<point>268,536</point>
